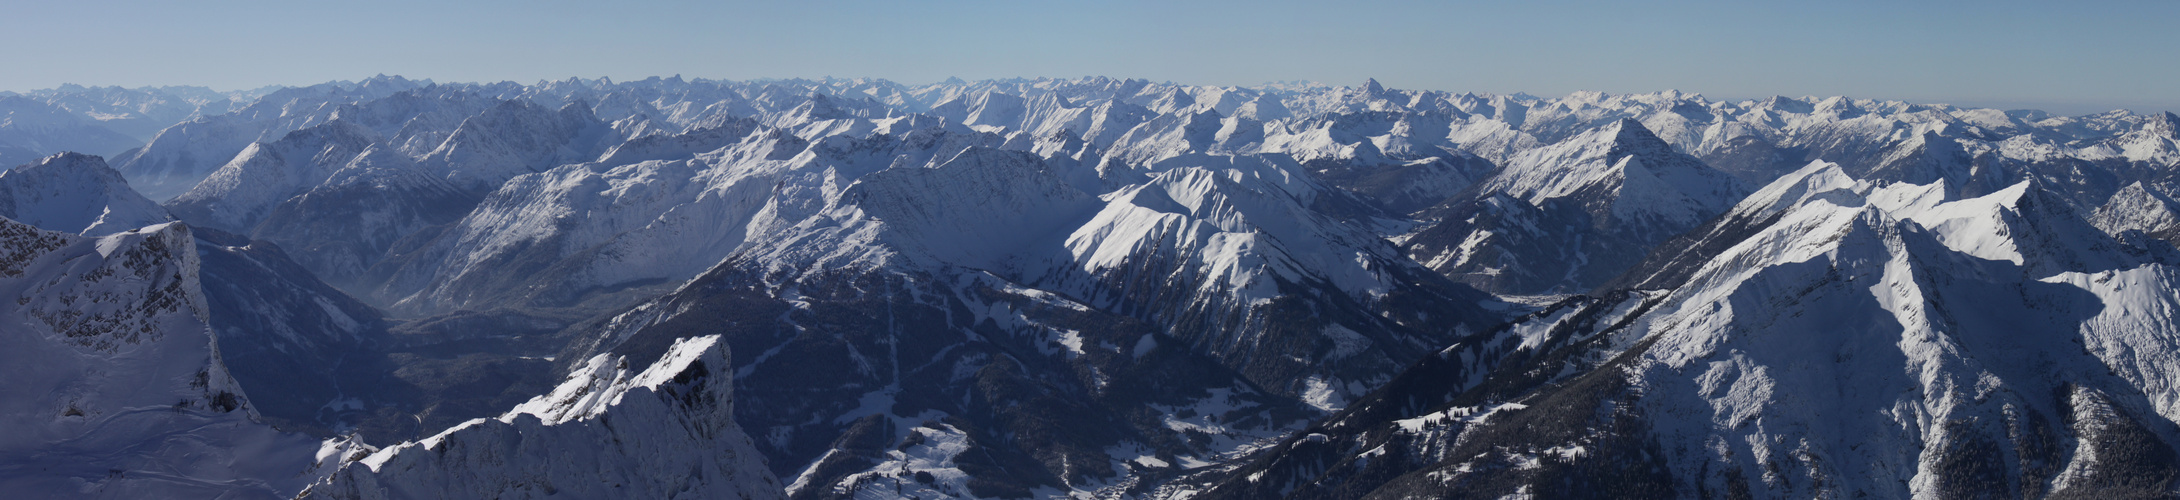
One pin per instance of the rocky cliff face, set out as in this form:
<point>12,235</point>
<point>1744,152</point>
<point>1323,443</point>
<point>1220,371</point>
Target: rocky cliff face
<point>117,386</point>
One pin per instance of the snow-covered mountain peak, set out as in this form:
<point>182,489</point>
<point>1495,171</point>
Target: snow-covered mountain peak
<point>382,85</point>
<point>1169,135</point>
<point>2024,224</point>
<point>1818,179</point>
<point>1946,330</point>
<point>75,193</point>
<point>1567,166</point>
<point>2156,140</point>
<point>2028,223</point>
<point>609,430</point>
<point>680,146</point>
<point>978,209</point>
<point>244,190</point>
<point>517,137</point>
<point>1838,108</point>
<point>1062,142</point>
<point>116,387</point>
<point>818,107</point>
<point>2137,207</point>
<point>1621,170</point>
<point>1593,205</point>
<point>2164,124</point>
<point>1008,110</point>
<point>155,265</point>
<point>1247,216</point>
<point>1263,108</point>
<point>1784,104</point>
<point>1919,268</point>
<point>1630,136</point>
<point>1371,88</point>
<point>600,382</point>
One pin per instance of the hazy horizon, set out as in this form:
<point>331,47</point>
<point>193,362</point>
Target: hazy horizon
<point>2060,108</point>
<point>2062,58</point>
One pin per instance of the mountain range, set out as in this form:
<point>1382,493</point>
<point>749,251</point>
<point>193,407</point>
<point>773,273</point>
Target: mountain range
<point>1096,287</point>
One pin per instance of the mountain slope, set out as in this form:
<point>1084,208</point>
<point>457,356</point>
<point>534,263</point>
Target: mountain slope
<point>280,327</point>
<point>182,155</point>
<point>518,137</point>
<point>1886,342</point>
<point>1228,253</point>
<point>303,347</point>
<point>962,386</point>
<point>2139,208</point>
<point>1574,214</point>
<point>1034,358</point>
<point>590,225</point>
<point>340,227</point>
<point>238,195</point>
<point>117,389</point>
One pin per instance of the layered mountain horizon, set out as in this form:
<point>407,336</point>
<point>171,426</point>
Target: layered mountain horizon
<point>1095,287</point>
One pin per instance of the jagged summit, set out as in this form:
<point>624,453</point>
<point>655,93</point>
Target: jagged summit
<point>669,425</point>
<point>2164,124</point>
<point>2137,207</point>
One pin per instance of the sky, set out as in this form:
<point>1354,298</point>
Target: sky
<point>2065,57</point>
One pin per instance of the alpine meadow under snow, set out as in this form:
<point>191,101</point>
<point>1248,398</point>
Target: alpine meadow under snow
<point>1086,288</point>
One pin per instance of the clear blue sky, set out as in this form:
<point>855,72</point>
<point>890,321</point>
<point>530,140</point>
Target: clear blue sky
<point>2061,56</point>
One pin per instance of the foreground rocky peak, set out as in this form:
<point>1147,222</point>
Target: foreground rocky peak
<point>609,430</point>
<point>118,389</point>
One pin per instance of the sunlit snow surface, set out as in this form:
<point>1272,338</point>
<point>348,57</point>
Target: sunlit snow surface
<point>1871,336</point>
<point>115,386</point>
<point>609,431</point>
